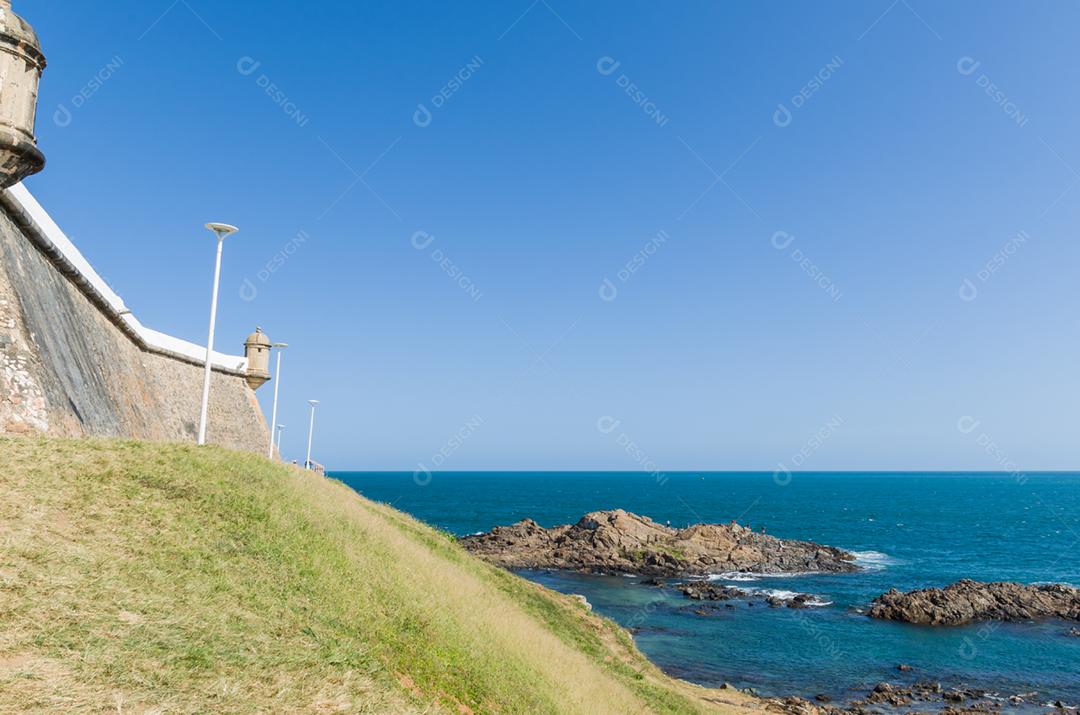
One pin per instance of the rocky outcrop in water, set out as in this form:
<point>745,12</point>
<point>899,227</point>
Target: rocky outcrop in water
<point>705,591</point>
<point>969,601</point>
<point>799,600</point>
<point>923,696</point>
<point>621,542</point>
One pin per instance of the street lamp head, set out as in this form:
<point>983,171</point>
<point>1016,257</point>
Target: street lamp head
<point>222,230</point>
<point>280,346</point>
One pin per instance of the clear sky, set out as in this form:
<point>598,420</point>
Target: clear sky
<point>836,234</point>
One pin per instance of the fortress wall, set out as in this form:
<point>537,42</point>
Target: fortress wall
<point>75,362</point>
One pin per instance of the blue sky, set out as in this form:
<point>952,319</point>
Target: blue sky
<point>787,199</point>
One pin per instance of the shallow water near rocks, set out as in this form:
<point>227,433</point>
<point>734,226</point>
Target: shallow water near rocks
<point>909,531</point>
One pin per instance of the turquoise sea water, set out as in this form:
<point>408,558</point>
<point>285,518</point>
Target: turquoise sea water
<point>910,530</point>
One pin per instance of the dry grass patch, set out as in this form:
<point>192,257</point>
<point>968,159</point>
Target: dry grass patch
<point>145,578</point>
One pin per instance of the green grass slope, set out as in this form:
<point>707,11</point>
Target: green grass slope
<point>159,578</point>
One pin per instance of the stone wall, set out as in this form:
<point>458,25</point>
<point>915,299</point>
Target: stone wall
<point>71,366</point>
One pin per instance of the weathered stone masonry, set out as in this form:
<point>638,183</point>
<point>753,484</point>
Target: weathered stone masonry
<point>71,366</point>
<point>74,361</point>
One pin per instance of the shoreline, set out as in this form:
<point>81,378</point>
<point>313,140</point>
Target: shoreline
<point>907,687</point>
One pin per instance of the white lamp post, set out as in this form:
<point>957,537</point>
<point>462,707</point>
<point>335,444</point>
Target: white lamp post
<point>280,429</point>
<point>222,231</point>
<point>277,386</point>
<point>311,431</point>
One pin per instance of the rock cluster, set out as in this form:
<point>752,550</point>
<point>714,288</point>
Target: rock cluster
<point>970,601</point>
<point>902,698</point>
<point>800,600</point>
<point>705,591</point>
<point>620,542</point>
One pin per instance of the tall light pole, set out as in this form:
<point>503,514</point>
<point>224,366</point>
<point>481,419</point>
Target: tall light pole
<point>311,431</point>
<point>277,386</point>
<point>222,231</point>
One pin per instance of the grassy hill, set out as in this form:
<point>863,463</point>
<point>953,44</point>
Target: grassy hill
<point>159,578</point>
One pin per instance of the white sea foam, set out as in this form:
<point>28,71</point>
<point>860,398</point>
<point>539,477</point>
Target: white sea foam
<point>778,593</point>
<point>874,560</point>
<point>755,576</point>
<point>788,596</point>
<point>735,576</point>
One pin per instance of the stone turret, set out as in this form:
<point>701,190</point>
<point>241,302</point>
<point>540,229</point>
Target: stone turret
<point>21,65</point>
<point>257,349</point>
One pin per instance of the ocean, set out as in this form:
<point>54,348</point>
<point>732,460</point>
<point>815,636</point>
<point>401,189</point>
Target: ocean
<point>909,531</point>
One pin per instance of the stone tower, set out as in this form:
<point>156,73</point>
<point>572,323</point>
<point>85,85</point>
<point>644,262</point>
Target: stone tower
<point>257,349</point>
<point>21,65</point>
